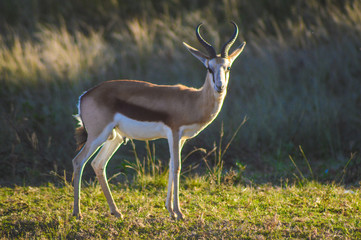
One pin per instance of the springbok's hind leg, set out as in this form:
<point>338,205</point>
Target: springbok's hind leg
<point>79,162</point>
<point>99,165</point>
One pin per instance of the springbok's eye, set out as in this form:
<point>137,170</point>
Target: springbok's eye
<point>210,70</point>
<point>228,68</point>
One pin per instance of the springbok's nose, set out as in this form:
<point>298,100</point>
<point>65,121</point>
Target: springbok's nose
<point>220,88</point>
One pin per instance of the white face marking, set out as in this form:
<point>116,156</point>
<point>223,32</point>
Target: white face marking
<point>219,69</point>
<point>140,130</point>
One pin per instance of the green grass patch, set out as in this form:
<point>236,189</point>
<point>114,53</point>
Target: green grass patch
<point>298,80</point>
<point>313,211</point>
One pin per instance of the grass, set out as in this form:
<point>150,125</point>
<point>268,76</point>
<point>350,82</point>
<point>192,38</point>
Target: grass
<point>297,81</point>
<point>313,211</point>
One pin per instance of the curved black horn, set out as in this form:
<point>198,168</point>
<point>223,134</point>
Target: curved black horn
<point>228,45</point>
<point>207,46</point>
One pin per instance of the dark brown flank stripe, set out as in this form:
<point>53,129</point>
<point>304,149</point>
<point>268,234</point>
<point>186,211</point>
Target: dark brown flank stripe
<point>139,113</point>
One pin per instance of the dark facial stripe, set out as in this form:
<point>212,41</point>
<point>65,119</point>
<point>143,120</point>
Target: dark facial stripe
<point>139,113</point>
<point>211,72</point>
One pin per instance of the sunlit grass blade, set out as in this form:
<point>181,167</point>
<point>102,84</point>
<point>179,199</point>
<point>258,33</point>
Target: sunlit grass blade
<point>298,170</point>
<point>306,160</point>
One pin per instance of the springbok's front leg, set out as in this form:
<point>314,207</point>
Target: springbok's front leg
<point>169,201</point>
<point>172,203</point>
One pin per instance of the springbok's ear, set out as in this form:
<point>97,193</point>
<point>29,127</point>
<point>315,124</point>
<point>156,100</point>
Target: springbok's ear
<point>198,54</point>
<point>236,52</point>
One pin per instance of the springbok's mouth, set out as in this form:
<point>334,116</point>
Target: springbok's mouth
<point>220,90</point>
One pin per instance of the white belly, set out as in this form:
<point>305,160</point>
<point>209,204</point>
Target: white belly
<point>140,130</point>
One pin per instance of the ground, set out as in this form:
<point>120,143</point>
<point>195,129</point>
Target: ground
<point>307,211</point>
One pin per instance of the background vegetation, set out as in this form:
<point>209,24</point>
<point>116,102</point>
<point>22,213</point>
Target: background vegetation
<point>298,82</point>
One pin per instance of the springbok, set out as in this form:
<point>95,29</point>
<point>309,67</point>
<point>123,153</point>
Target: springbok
<point>115,111</point>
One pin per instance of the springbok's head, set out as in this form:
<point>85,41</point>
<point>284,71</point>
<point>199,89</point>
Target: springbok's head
<point>218,66</point>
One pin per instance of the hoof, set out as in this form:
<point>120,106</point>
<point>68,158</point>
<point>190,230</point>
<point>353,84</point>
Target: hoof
<point>172,215</point>
<point>78,216</point>
<point>180,216</point>
<point>171,212</point>
<point>118,214</point>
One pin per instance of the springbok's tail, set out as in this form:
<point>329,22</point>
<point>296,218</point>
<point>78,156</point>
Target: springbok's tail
<point>81,134</point>
<point>80,137</point>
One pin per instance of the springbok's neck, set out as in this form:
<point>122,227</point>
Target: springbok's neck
<point>211,100</point>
